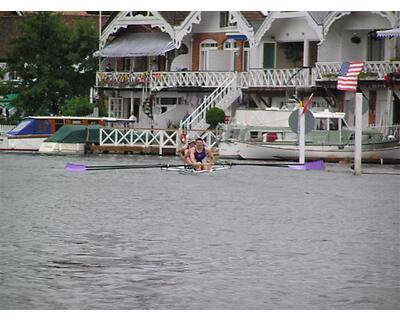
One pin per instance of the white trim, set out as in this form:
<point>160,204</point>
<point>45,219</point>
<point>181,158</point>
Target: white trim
<point>265,26</point>
<point>186,27</point>
<point>125,19</point>
<point>336,15</point>
<point>243,26</point>
<point>267,23</point>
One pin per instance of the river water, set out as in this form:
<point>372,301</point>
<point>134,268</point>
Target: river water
<point>245,238</point>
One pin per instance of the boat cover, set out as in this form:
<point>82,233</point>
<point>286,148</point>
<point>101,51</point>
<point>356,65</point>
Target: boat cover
<point>76,134</point>
<point>30,126</point>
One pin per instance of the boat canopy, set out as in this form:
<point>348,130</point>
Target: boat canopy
<point>137,45</point>
<point>31,126</point>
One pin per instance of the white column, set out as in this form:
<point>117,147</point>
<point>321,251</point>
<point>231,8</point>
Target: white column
<point>306,53</point>
<point>389,108</point>
<point>131,104</point>
<point>358,134</point>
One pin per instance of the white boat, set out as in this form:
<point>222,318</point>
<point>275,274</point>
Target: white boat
<point>31,132</point>
<point>386,151</point>
<point>327,141</point>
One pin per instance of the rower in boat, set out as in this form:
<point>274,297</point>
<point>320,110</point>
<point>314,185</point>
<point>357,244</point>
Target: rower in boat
<point>199,156</point>
<point>184,153</point>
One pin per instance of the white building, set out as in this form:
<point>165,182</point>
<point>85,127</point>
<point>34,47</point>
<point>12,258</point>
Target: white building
<point>187,62</point>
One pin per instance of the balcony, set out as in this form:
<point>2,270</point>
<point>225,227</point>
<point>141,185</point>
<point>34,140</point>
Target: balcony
<point>372,70</point>
<point>256,78</point>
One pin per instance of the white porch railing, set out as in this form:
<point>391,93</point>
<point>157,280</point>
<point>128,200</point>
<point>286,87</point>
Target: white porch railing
<point>147,138</point>
<point>211,79</point>
<point>275,78</point>
<point>372,70</point>
<point>222,97</point>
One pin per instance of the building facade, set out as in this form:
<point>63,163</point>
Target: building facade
<point>169,68</point>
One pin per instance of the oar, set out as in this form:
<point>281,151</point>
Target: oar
<point>75,167</point>
<point>312,165</point>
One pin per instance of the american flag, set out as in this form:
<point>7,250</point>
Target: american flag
<point>348,75</point>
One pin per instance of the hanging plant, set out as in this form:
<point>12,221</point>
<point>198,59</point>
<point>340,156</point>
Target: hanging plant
<point>293,51</point>
<point>392,80</point>
<point>355,39</point>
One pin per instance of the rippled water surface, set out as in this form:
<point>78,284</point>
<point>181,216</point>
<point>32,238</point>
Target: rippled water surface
<point>246,238</point>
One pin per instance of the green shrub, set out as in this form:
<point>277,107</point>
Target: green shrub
<point>214,116</point>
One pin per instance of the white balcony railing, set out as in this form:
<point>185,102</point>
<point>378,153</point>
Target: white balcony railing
<point>323,71</point>
<point>275,78</point>
<point>210,79</point>
<point>372,70</point>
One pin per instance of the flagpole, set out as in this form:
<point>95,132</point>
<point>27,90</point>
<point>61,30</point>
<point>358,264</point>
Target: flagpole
<point>301,134</point>
<point>358,135</point>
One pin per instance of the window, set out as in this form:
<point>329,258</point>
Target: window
<point>116,107</point>
<point>128,64</point>
<point>224,20</point>
<point>169,101</point>
<point>205,47</point>
<point>231,45</point>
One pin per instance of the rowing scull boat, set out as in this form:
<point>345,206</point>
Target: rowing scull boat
<point>189,170</point>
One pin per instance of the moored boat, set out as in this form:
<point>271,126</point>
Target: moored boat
<point>330,139</point>
<point>32,131</point>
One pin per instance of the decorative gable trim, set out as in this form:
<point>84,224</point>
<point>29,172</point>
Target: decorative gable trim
<point>274,15</point>
<point>127,18</point>
<point>186,27</point>
<point>336,15</point>
<point>243,26</point>
<point>265,26</point>
<point>330,19</point>
<point>393,18</point>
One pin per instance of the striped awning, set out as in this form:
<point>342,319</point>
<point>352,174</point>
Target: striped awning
<point>389,33</point>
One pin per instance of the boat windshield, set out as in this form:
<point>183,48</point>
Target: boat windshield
<point>22,125</point>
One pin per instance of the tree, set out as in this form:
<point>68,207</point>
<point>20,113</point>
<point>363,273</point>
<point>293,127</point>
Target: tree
<point>54,61</point>
<point>77,106</point>
<point>214,116</point>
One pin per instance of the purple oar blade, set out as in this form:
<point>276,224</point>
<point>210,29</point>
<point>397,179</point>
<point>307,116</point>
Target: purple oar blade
<point>297,167</point>
<point>315,165</point>
<point>312,165</point>
<point>74,167</point>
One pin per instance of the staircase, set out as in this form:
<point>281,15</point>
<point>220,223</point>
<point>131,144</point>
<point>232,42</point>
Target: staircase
<point>222,97</point>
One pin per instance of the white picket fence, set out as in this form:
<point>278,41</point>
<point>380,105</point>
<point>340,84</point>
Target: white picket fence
<point>152,138</point>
